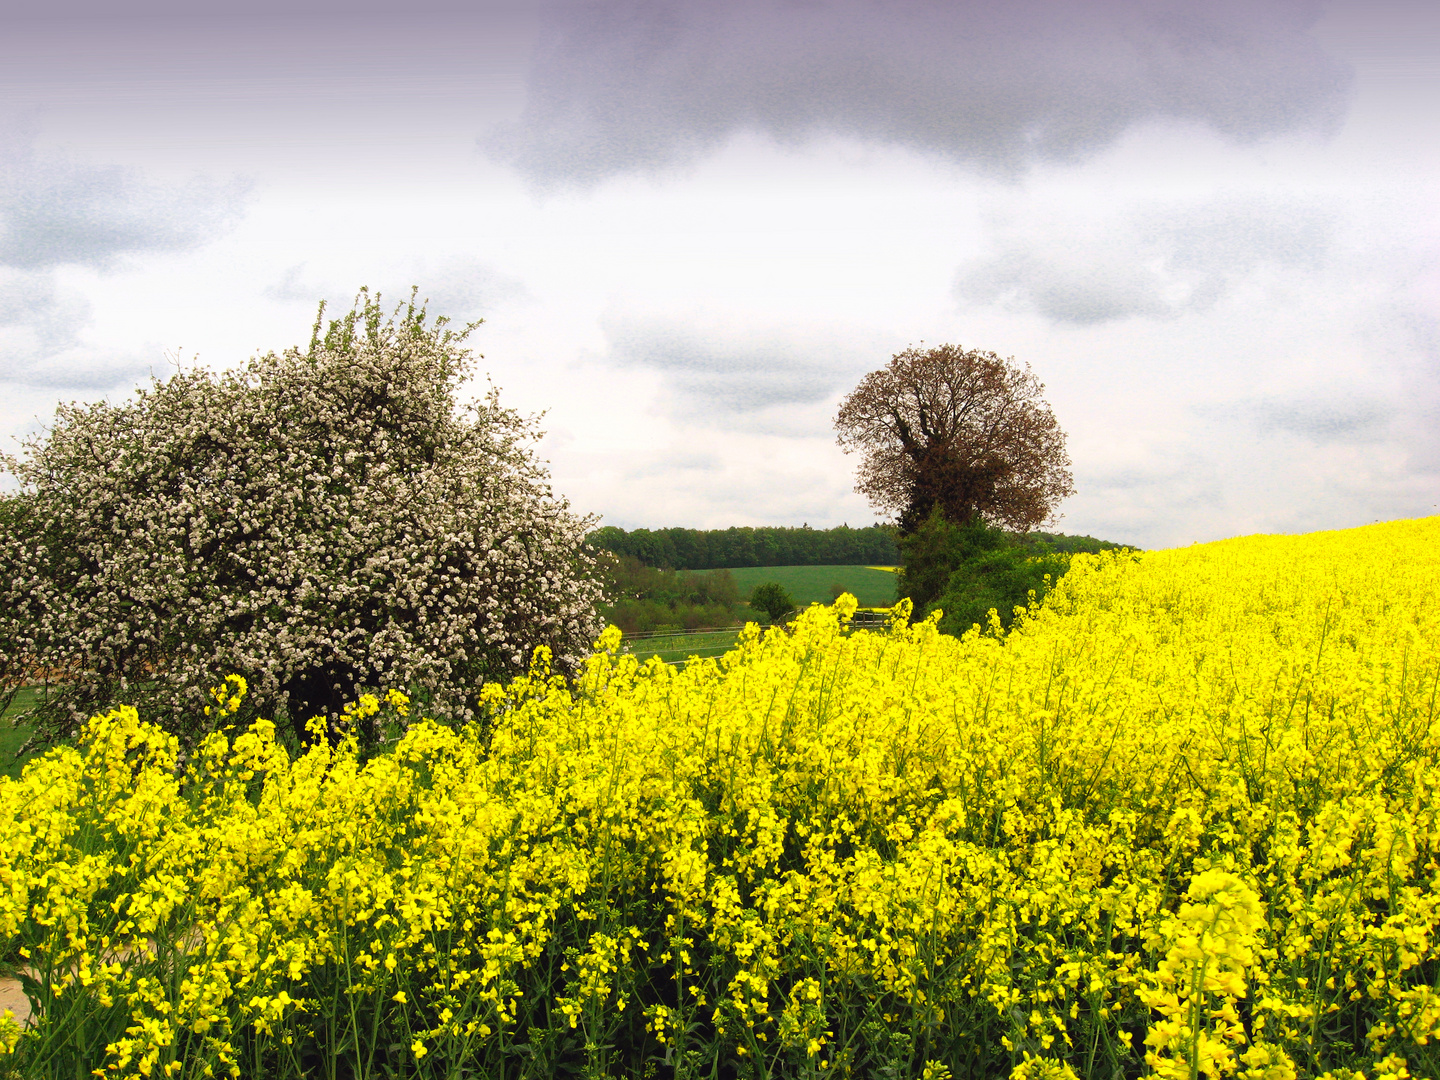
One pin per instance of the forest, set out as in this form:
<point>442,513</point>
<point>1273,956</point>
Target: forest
<point>766,545</point>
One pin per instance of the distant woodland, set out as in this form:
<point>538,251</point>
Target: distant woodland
<point>713,549</point>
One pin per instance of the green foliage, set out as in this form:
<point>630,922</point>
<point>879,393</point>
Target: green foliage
<point>966,570</point>
<point>773,600</point>
<point>14,731</point>
<point>1003,579</point>
<point>710,549</point>
<point>644,598</point>
<point>936,550</point>
<point>23,527</point>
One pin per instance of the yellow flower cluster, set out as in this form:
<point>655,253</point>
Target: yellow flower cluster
<point>1181,821</point>
<point>230,695</point>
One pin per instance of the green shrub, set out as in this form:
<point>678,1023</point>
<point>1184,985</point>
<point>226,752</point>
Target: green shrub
<point>934,551</point>
<point>771,598</point>
<point>643,598</point>
<point>1001,579</point>
<point>966,570</point>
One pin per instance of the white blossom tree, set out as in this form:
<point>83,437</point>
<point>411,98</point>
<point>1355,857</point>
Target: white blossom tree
<point>322,521</point>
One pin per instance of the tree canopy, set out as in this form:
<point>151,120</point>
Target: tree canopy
<point>320,521</point>
<point>964,431</point>
<point>765,545</point>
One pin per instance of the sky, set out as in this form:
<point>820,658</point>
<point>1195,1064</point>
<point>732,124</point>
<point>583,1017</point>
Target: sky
<point>1212,229</point>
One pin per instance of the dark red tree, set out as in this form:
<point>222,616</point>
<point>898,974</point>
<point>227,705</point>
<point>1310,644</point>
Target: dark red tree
<point>964,431</point>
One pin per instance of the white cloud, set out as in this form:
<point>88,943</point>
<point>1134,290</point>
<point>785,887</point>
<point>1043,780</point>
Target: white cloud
<point>460,289</point>
<point>735,374</point>
<point>1160,259</point>
<point>55,211</point>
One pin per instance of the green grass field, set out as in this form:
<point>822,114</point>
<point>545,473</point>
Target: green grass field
<point>678,647</point>
<point>811,584</point>
<point>13,735</point>
<point>807,584</point>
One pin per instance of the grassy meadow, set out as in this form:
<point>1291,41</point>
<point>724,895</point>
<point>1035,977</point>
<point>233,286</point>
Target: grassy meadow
<point>680,647</point>
<point>807,584</point>
<point>13,731</point>
<point>812,584</point>
<point>1182,820</point>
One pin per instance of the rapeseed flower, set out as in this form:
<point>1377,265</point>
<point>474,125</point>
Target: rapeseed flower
<point>1183,819</point>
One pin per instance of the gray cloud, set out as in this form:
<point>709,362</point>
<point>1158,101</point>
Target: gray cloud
<point>762,382</point>
<point>676,461</point>
<point>56,10</point>
<point>1323,416</point>
<point>1179,486</point>
<point>642,84</point>
<point>1344,418</point>
<point>55,212</point>
<point>293,289</point>
<point>1403,334</point>
<point>1156,260</point>
<point>41,327</point>
<point>470,289</point>
<point>32,302</point>
<point>80,371</point>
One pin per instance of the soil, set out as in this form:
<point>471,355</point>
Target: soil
<point>14,999</point>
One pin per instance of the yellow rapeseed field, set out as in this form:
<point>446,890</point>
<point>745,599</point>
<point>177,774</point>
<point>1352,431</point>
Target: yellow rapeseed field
<point>1181,821</point>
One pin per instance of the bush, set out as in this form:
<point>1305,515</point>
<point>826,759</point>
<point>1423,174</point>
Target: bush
<point>935,550</point>
<point>772,598</point>
<point>643,598</point>
<point>1001,580</point>
<point>968,569</point>
<point>321,521</point>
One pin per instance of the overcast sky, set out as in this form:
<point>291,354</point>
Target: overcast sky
<point>1211,227</point>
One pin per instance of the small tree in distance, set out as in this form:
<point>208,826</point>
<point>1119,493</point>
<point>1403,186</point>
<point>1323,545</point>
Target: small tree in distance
<point>773,600</point>
<point>964,432</point>
<point>322,521</point>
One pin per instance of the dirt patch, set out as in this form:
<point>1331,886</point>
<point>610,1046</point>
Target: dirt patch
<point>14,999</point>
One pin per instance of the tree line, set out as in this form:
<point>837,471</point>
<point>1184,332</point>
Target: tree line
<point>766,545</point>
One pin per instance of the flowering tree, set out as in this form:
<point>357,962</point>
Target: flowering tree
<point>321,521</point>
